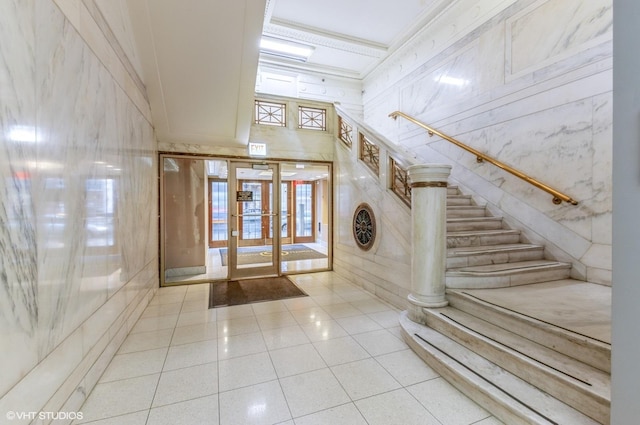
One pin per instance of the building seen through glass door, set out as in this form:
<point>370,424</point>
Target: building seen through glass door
<point>302,219</point>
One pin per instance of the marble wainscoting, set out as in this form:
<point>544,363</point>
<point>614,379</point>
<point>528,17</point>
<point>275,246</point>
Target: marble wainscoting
<point>385,269</point>
<point>531,85</point>
<point>78,197</point>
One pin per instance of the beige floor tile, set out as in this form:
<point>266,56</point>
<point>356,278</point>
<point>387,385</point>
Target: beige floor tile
<point>310,315</point>
<point>146,341</point>
<point>358,324</point>
<point>237,326</point>
<point>321,331</point>
<point>279,319</point>
<point>197,317</point>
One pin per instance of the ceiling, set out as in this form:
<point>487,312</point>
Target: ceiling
<point>199,58</point>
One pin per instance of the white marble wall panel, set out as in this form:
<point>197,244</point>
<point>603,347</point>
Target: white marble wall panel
<point>78,206</point>
<point>18,270</point>
<point>568,26</point>
<point>546,113</point>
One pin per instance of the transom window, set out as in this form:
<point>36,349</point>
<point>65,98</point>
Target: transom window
<point>271,113</point>
<point>312,118</point>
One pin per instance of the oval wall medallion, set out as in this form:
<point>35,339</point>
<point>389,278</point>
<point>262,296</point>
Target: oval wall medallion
<point>364,226</point>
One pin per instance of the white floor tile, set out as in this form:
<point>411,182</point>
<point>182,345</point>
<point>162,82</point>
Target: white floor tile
<point>146,341</point>
<point>193,354</point>
<point>199,411</point>
<point>185,384</point>
<point>137,418</point>
<point>245,371</point>
<point>197,317</point>
<point>340,350</point>
<point>341,310</point>
<point>284,337</point>
<point>310,315</point>
<point>446,403</point>
<point>240,345</point>
<point>346,414</point>
<point>294,360</point>
<point>162,310</point>
<point>155,323</point>
<point>364,378</point>
<point>241,325</point>
<point>386,319</point>
<point>321,331</point>
<point>299,303</point>
<point>358,324</point>
<point>268,307</point>
<point>380,342</point>
<point>139,363</point>
<point>257,404</point>
<point>119,397</point>
<point>371,305</point>
<point>234,312</point>
<point>195,333</point>
<point>278,319</point>
<point>395,408</point>
<point>313,391</point>
<point>406,367</point>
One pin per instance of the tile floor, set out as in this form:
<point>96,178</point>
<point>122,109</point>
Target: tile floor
<point>334,357</point>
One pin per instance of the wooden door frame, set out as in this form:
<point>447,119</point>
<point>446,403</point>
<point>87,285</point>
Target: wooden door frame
<point>294,213</point>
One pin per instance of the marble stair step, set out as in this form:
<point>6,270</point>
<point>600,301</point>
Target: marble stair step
<point>466,211</point>
<point>459,224</point>
<point>507,274</point>
<point>576,384</point>
<point>453,200</point>
<point>453,190</point>
<point>493,254</point>
<point>509,398</point>
<point>482,237</point>
<point>580,347</point>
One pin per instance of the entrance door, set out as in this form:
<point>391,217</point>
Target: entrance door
<point>254,246</point>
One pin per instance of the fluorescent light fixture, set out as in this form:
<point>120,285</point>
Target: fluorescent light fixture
<point>286,49</point>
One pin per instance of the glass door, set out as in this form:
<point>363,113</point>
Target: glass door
<point>254,212</point>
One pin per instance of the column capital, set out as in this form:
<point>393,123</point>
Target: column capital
<point>428,173</point>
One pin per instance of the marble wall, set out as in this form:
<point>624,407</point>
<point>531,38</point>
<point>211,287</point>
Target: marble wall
<point>528,82</point>
<point>78,203</point>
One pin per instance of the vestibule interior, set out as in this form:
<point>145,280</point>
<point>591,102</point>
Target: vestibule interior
<point>199,218</point>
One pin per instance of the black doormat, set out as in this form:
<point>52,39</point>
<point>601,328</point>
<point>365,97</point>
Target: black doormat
<point>236,292</point>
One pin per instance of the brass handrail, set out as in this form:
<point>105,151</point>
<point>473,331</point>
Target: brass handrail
<point>558,197</point>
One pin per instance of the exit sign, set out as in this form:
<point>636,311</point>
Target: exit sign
<point>257,149</point>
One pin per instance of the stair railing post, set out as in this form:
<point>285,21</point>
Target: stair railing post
<point>429,237</point>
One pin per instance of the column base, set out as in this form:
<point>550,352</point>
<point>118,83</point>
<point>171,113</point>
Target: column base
<point>433,303</point>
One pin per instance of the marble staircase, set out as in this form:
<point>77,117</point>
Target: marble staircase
<point>483,253</point>
<point>526,368</point>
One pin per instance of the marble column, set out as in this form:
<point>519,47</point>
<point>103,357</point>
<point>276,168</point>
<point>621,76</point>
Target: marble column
<point>429,237</point>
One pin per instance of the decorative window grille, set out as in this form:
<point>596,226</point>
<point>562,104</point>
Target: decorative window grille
<point>400,182</point>
<point>370,154</point>
<point>346,132</point>
<point>270,113</point>
<point>312,118</point>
